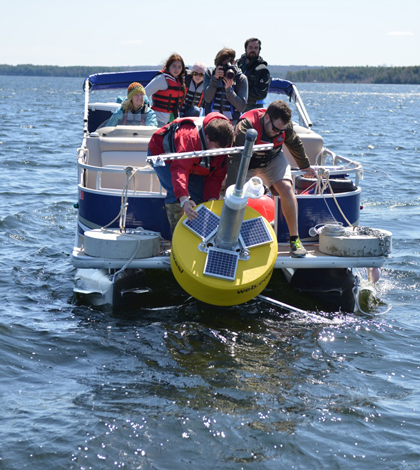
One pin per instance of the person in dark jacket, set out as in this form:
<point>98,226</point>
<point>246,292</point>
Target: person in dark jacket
<point>257,73</point>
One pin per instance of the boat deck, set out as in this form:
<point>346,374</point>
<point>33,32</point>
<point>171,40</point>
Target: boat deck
<point>313,260</point>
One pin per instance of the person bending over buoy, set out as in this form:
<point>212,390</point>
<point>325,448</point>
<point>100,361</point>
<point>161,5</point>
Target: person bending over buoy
<point>191,181</point>
<point>274,125</point>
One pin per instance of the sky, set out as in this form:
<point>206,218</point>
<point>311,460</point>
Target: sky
<point>130,33</point>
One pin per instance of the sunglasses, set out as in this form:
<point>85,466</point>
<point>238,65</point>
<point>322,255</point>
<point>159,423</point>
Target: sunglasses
<point>276,129</point>
<point>198,74</point>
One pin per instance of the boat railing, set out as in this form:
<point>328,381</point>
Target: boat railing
<point>326,160</point>
<point>83,157</point>
<point>128,171</point>
<point>304,119</point>
<point>86,109</point>
<point>158,159</point>
<point>335,165</point>
<point>83,153</point>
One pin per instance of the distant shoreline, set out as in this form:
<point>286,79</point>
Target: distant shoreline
<point>295,73</point>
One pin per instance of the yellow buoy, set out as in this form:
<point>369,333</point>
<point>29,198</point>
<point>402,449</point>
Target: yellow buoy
<point>252,275</point>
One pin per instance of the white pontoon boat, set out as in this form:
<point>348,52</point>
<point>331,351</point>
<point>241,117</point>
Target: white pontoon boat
<point>123,248</point>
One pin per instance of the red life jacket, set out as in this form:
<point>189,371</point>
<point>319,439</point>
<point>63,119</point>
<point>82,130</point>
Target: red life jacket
<point>169,100</point>
<point>261,159</point>
<point>254,117</point>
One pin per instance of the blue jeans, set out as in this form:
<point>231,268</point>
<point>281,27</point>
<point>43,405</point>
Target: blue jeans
<point>195,184</point>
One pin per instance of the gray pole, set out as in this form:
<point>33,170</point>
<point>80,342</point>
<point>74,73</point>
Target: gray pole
<point>235,202</point>
<point>251,136</point>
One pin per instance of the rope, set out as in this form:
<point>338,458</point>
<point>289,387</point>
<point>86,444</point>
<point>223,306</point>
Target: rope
<point>127,264</point>
<point>122,214</point>
<point>384,243</point>
<point>114,276</point>
<point>376,169</point>
<point>355,292</point>
<point>318,159</point>
<point>282,304</point>
<point>326,174</point>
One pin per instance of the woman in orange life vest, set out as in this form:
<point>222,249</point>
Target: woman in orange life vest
<point>167,90</point>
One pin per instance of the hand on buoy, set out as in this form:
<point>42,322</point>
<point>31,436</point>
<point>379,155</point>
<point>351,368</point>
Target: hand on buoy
<point>189,209</point>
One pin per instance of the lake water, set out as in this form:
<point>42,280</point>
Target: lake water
<point>195,386</point>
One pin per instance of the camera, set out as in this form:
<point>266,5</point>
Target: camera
<point>229,70</point>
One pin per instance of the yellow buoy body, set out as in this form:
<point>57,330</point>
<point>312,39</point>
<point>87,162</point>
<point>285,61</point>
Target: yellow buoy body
<point>252,275</point>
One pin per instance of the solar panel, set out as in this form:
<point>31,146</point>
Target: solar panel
<point>205,225</point>
<point>254,232</point>
<point>221,264</point>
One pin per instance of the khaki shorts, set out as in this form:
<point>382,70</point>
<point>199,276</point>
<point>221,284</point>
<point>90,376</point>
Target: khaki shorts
<point>278,169</point>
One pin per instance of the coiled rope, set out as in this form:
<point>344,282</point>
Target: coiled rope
<point>122,215</point>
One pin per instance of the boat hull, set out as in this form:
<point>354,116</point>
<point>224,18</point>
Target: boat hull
<point>98,208</point>
<point>312,276</point>
<point>316,210</point>
<point>118,188</point>
<point>333,287</point>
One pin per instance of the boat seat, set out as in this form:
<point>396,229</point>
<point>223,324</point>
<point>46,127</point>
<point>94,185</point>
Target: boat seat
<point>131,132</point>
<point>312,142</point>
<point>123,143</point>
<point>148,182</point>
<point>145,182</point>
<point>121,152</point>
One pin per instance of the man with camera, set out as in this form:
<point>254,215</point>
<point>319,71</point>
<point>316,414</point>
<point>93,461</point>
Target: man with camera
<point>225,87</point>
<point>257,73</point>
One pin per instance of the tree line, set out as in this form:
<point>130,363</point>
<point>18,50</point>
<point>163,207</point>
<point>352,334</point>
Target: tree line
<point>367,74</point>
<point>380,75</point>
<point>81,71</point>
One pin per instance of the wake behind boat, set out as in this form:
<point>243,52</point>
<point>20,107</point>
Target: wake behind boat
<point>123,238</point>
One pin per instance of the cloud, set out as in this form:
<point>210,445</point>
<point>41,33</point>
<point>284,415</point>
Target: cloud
<point>130,42</point>
<point>400,33</point>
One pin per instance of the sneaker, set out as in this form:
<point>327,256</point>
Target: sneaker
<point>296,249</point>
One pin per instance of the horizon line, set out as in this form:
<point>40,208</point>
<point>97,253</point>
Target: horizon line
<point>159,65</point>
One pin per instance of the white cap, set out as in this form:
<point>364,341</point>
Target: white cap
<point>199,67</point>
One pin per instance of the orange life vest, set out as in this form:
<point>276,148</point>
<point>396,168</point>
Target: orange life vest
<point>169,100</point>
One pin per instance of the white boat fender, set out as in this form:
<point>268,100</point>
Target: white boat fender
<point>374,274</point>
<point>113,244</point>
<point>335,240</point>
